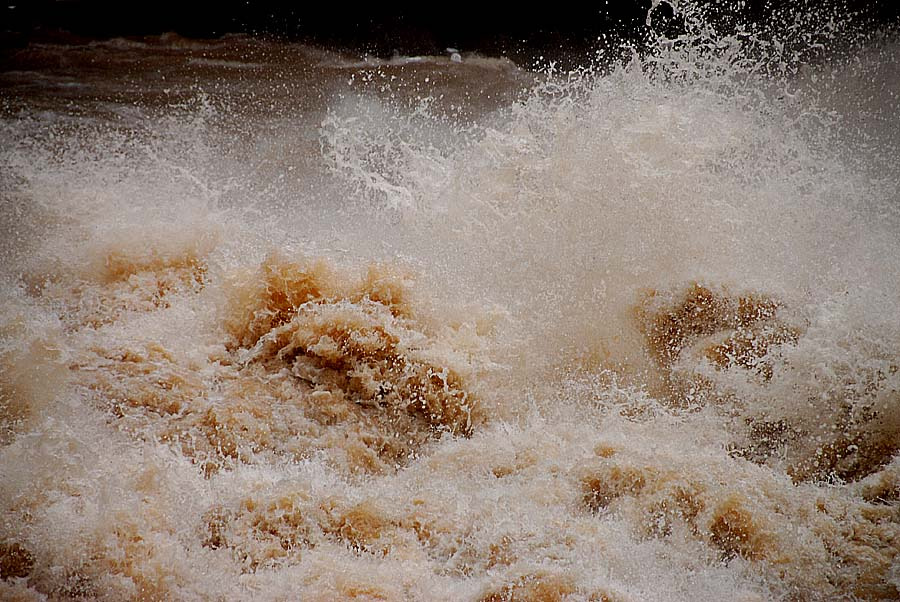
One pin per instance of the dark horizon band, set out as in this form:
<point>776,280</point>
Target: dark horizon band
<point>383,30</point>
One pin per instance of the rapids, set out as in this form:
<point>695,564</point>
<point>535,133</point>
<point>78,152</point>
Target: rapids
<point>278,322</point>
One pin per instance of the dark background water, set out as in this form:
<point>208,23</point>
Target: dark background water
<point>386,28</point>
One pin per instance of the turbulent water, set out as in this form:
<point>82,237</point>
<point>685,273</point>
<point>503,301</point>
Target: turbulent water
<point>283,323</point>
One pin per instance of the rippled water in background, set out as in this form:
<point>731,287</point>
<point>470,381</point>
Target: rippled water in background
<point>280,322</point>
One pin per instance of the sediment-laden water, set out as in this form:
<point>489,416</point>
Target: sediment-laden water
<point>283,323</point>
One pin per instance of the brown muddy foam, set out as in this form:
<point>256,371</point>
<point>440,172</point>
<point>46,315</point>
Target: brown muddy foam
<point>818,543</point>
<point>311,361</point>
<point>314,360</point>
<point>701,327</point>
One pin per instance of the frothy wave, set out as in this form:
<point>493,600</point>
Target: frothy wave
<point>631,338</point>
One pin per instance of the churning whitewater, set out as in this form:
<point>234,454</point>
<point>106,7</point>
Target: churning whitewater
<point>281,323</point>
